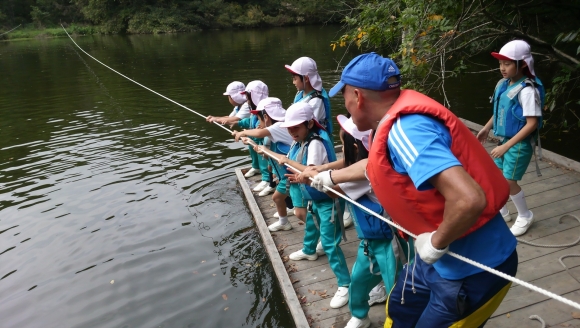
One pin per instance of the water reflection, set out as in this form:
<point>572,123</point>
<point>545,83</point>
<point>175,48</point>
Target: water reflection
<point>119,209</point>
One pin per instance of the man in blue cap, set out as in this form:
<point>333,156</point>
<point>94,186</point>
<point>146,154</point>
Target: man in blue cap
<point>430,174</point>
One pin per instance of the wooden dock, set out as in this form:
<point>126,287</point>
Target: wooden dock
<point>308,286</point>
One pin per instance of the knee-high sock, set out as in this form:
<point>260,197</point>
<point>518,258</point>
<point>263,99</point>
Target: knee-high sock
<point>504,211</point>
<point>520,203</point>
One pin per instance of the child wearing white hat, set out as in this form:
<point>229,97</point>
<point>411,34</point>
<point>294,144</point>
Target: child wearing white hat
<point>375,261</point>
<point>271,115</point>
<point>254,92</point>
<point>518,100</point>
<point>241,110</point>
<point>322,214</point>
<point>307,81</point>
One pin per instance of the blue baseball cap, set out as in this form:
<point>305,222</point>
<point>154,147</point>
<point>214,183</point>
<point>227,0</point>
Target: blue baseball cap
<point>368,71</point>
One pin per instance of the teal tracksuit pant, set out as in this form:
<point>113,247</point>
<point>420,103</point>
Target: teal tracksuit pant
<point>380,261</point>
<point>330,236</point>
<point>258,162</point>
<point>380,254</point>
<point>254,156</point>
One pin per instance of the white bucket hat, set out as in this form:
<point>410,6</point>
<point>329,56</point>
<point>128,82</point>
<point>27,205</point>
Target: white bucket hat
<point>349,127</point>
<point>233,90</point>
<point>306,66</point>
<point>516,50</point>
<point>258,90</point>
<point>299,113</point>
<point>273,107</point>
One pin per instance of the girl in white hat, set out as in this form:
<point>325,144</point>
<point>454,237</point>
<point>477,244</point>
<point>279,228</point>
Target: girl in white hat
<point>256,91</point>
<point>518,100</point>
<point>271,115</point>
<point>307,81</point>
<point>375,261</point>
<point>236,97</point>
<point>322,214</point>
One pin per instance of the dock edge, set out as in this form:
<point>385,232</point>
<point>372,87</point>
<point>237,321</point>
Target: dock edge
<point>283,278</point>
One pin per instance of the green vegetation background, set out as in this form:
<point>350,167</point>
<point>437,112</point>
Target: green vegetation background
<point>43,17</point>
<point>431,40</point>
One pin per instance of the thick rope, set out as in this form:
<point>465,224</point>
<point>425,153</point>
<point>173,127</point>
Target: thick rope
<point>554,246</point>
<point>12,30</point>
<point>537,317</point>
<point>476,264</point>
<point>141,85</point>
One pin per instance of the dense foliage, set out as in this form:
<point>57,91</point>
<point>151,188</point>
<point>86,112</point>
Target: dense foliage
<point>159,16</point>
<point>433,40</point>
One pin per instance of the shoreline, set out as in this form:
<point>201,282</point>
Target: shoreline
<point>27,33</point>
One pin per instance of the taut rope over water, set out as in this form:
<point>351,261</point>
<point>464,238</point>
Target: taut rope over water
<point>460,257</point>
<point>13,30</point>
<point>141,85</point>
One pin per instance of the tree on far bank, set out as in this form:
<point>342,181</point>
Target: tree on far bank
<point>432,41</point>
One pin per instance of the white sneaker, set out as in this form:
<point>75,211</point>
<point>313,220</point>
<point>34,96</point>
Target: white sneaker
<point>340,298</point>
<point>378,294</point>
<point>347,219</point>
<point>267,190</point>
<point>289,211</point>
<point>319,250</point>
<point>261,186</point>
<point>522,225</point>
<point>355,322</point>
<point>251,172</point>
<point>507,217</point>
<point>277,226</point>
<point>299,255</point>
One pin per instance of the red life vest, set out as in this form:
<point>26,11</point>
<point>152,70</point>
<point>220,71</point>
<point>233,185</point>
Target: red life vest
<point>422,211</point>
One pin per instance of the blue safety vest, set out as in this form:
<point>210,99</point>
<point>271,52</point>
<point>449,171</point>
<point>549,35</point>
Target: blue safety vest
<point>367,225</point>
<point>254,124</point>
<point>508,117</point>
<point>283,149</point>
<point>299,154</point>
<point>327,124</point>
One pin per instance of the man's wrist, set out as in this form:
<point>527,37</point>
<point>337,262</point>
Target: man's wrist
<point>437,243</point>
<point>330,176</point>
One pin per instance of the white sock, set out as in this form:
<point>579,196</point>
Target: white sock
<point>504,211</point>
<point>283,220</point>
<point>519,200</point>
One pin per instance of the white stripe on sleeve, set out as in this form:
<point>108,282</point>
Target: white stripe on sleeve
<point>400,128</point>
<point>399,152</point>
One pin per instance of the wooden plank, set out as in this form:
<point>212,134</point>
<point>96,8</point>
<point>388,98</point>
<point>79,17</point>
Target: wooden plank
<point>555,193</point>
<point>552,225</point>
<point>376,314</point>
<point>546,211</point>
<point>548,264</point>
<point>349,251</point>
<point>527,252</point>
<point>554,313</point>
<point>519,297</point>
<point>548,155</point>
<point>547,172</point>
<point>551,184</point>
<point>281,274</point>
<point>551,195</point>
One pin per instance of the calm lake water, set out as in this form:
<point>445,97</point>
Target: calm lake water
<point>121,209</point>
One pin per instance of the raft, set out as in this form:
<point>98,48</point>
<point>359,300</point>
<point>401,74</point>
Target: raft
<point>308,286</point>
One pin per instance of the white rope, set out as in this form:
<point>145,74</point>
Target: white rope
<point>476,264</point>
<point>141,85</point>
<point>537,317</point>
<point>553,246</point>
<point>10,30</point>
